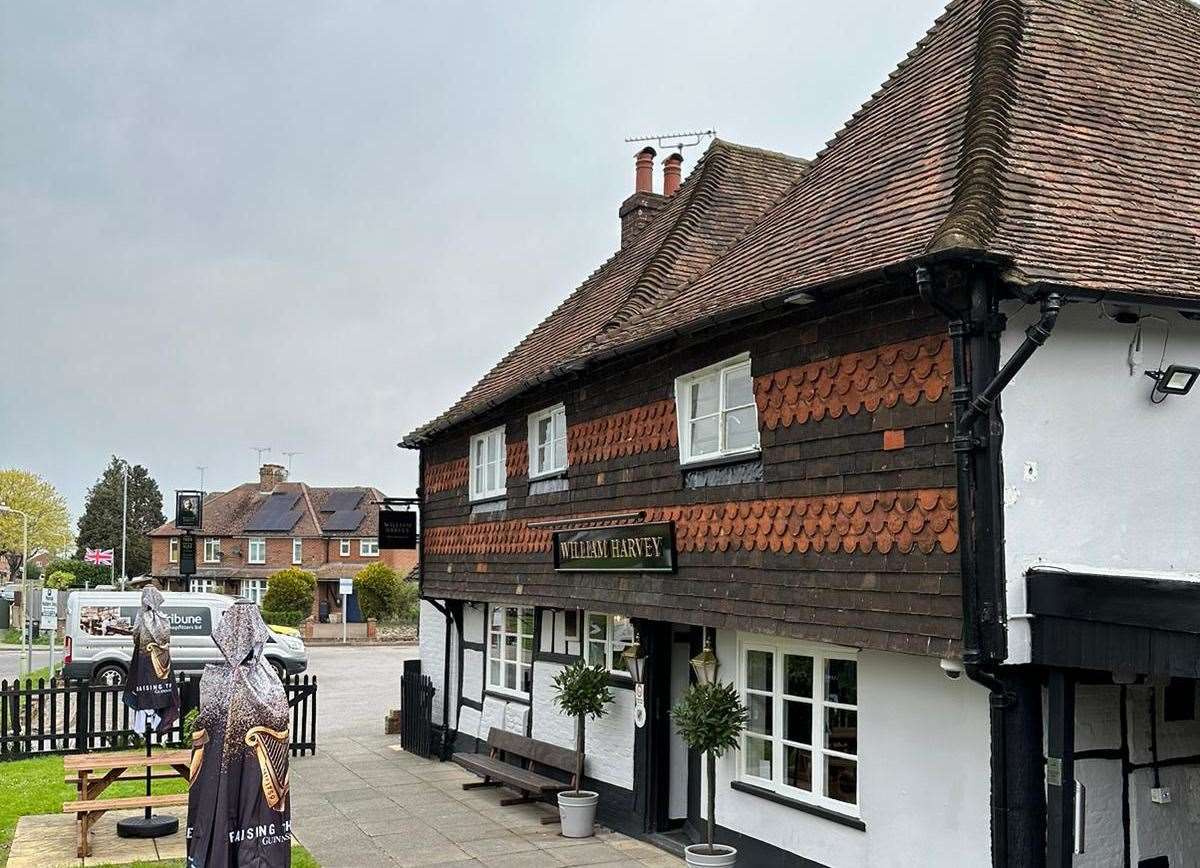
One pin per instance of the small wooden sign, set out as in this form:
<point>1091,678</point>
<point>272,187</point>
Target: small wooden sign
<point>636,548</point>
<point>187,555</point>
<point>397,529</point>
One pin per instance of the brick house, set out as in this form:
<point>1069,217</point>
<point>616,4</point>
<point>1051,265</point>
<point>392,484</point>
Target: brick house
<point>785,382</point>
<point>259,528</point>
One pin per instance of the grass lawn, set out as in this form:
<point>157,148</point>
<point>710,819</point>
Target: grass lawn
<point>35,786</point>
<point>12,636</point>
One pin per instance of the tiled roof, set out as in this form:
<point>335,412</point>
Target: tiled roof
<point>729,188</point>
<point>226,513</point>
<point>1057,134</point>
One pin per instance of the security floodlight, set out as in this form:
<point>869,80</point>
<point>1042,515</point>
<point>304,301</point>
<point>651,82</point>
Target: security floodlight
<point>1175,380</point>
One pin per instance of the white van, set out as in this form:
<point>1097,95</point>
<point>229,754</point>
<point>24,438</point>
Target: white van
<point>99,635</point>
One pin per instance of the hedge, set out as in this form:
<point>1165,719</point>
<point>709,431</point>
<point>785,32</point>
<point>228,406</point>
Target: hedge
<point>285,619</point>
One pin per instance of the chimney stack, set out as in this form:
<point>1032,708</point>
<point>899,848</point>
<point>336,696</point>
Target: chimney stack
<point>270,475</point>
<point>672,174</point>
<point>639,209</point>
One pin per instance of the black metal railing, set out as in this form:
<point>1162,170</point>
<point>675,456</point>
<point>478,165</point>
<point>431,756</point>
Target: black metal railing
<point>416,711</point>
<point>74,716</point>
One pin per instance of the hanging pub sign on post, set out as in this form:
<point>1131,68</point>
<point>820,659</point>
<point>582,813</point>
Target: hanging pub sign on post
<point>639,548</point>
<point>187,555</point>
<point>189,510</point>
<point>397,527</point>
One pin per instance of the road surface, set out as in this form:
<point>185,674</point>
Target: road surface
<point>11,658</point>
<point>356,686</point>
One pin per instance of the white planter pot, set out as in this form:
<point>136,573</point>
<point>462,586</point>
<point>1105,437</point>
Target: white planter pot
<point>577,813</point>
<point>698,856</point>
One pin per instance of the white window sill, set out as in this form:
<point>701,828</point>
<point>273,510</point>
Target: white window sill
<point>845,819</point>
<point>488,498</point>
<point>721,458</point>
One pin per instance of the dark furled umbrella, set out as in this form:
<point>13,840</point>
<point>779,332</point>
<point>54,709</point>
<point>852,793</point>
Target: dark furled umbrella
<point>239,808</point>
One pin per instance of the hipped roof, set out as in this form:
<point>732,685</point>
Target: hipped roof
<point>1058,136</point>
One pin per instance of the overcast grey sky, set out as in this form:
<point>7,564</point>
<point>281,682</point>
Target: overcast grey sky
<point>312,226</point>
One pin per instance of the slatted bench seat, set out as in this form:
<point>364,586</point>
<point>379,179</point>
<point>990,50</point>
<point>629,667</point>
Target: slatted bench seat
<point>87,812</point>
<point>509,762</point>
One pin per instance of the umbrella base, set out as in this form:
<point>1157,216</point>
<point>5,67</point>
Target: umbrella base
<point>154,826</point>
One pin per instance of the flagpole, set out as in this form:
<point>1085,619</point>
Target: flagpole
<point>124,520</point>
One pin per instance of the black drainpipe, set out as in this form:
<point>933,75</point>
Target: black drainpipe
<point>1017,803</point>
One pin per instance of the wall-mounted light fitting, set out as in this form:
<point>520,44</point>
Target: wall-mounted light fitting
<point>634,661</point>
<point>705,664</point>
<point>1175,380</point>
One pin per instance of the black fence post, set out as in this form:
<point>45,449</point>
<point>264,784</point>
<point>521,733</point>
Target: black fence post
<point>83,715</point>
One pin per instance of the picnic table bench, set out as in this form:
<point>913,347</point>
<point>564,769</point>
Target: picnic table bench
<point>497,767</point>
<point>93,772</point>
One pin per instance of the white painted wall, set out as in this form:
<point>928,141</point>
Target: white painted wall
<point>923,774</point>
<point>432,646</point>
<point>1171,830</point>
<point>1095,474</point>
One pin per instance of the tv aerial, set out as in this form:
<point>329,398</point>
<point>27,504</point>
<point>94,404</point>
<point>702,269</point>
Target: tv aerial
<point>678,141</point>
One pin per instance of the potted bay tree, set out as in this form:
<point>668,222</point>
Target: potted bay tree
<point>581,691</point>
<point>710,719</point>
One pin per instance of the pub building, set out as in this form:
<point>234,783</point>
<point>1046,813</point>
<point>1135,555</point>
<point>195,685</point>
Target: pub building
<point>771,425</point>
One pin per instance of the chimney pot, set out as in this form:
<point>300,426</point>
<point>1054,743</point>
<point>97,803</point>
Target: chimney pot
<point>270,475</point>
<point>643,178</point>
<point>672,174</point>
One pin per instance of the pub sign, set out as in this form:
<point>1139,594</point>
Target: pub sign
<point>638,548</point>
<point>189,510</point>
<point>397,529</point>
<point>187,555</point>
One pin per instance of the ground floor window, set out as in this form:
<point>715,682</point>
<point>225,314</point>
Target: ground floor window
<point>607,637</point>
<point>254,590</point>
<point>510,650</point>
<point>203,586</point>
<point>802,737</point>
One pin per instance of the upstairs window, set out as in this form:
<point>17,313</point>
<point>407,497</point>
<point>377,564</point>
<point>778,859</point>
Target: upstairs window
<point>368,548</point>
<point>297,551</point>
<point>548,442</point>
<point>487,464</point>
<point>173,550</point>
<point>344,548</point>
<point>256,548</point>
<point>212,550</point>
<point>717,413</point>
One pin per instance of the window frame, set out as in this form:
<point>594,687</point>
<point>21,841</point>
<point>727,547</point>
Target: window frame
<point>820,656</point>
<point>368,548</point>
<point>216,559</point>
<point>610,644</point>
<point>206,586</point>
<point>684,418</point>
<point>344,548</point>
<point>518,664</point>
<point>262,592</point>
<point>534,446</point>
<point>250,543</point>
<point>501,469</point>
<point>297,550</point>
<point>173,550</point>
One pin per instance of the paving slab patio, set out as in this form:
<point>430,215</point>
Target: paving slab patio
<point>362,802</point>
<point>48,841</point>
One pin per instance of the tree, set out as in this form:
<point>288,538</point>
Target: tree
<point>60,580</point>
<point>379,590</point>
<point>100,524</point>
<point>290,591</point>
<point>86,575</point>
<point>49,529</point>
<point>581,691</point>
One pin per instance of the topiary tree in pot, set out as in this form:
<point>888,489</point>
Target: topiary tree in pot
<point>710,719</point>
<point>581,691</point>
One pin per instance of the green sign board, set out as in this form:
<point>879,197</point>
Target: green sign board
<point>636,548</point>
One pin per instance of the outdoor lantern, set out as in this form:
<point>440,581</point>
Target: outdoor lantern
<point>634,662</point>
<point>1175,380</point>
<point>705,663</point>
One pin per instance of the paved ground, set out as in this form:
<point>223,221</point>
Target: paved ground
<point>361,802</point>
<point>356,686</point>
<point>48,841</point>
<point>11,657</point>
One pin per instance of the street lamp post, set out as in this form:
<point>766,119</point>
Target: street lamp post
<point>24,584</point>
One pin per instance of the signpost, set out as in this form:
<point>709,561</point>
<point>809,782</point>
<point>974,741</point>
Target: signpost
<point>49,619</point>
<point>346,588</point>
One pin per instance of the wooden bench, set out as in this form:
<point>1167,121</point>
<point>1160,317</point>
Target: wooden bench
<point>93,772</point>
<point>509,762</point>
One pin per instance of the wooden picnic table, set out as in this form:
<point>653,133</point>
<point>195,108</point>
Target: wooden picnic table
<point>93,772</point>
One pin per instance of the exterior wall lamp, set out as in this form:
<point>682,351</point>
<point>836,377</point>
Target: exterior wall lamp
<point>634,661</point>
<point>705,664</point>
<point>1175,380</point>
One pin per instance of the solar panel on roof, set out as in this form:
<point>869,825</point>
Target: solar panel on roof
<point>344,519</point>
<point>341,500</point>
<point>276,513</point>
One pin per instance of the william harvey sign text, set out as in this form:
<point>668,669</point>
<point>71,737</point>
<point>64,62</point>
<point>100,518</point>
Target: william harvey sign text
<point>635,548</point>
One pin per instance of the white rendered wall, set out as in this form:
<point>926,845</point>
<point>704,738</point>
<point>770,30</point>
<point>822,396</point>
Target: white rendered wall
<point>432,647</point>
<point>1094,474</point>
<point>923,774</point>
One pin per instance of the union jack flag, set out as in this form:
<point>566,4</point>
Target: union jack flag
<point>99,557</point>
